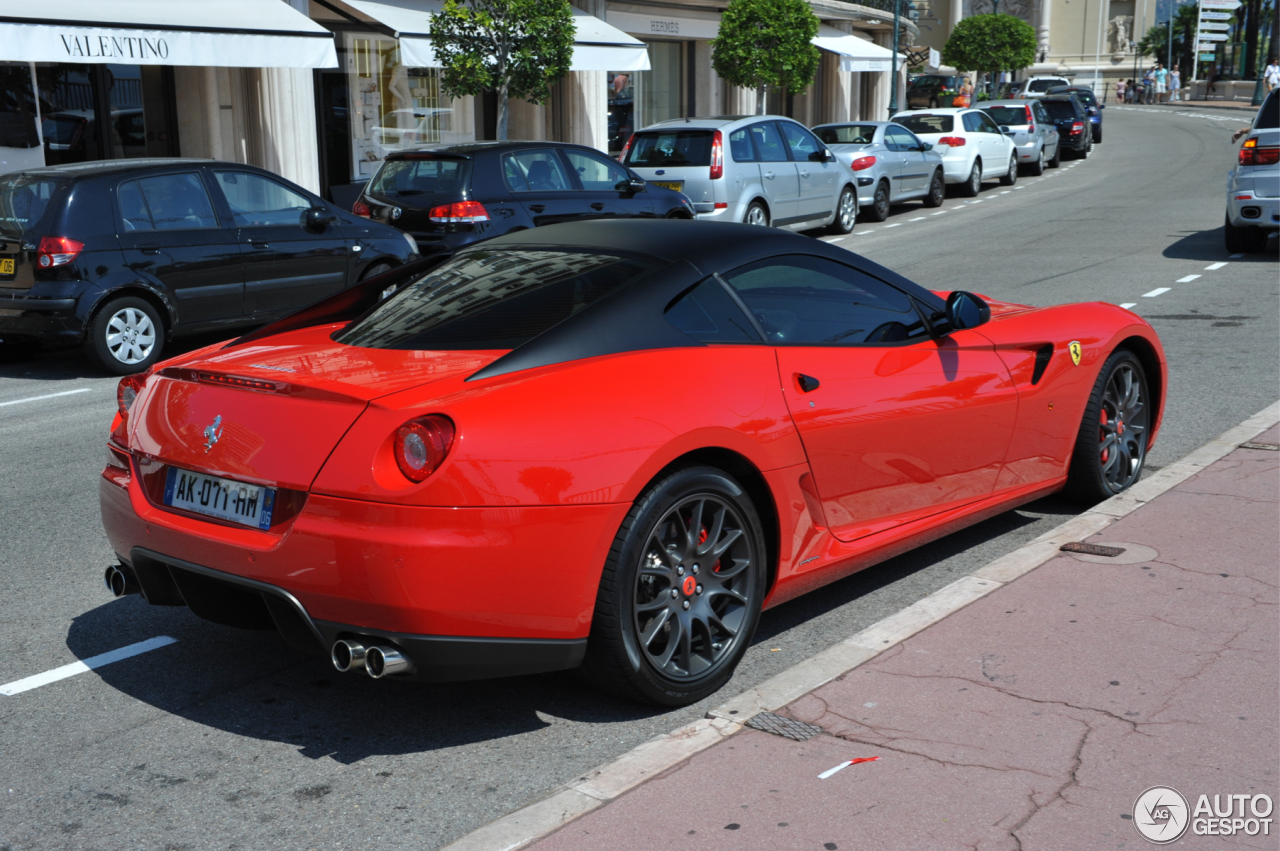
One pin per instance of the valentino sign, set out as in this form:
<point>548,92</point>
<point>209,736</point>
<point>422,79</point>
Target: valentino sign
<point>114,47</point>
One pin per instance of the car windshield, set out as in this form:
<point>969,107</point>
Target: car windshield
<point>847,134</point>
<point>491,300</point>
<point>922,124</point>
<point>24,200</point>
<point>421,175</point>
<point>1060,110</point>
<point>1044,85</point>
<point>670,148</point>
<point>1012,116</point>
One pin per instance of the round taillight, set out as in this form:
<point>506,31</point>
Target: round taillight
<point>127,392</point>
<point>422,444</point>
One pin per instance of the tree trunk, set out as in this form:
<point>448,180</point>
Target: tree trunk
<point>761,91</point>
<point>502,112</point>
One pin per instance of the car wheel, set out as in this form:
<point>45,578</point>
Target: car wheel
<point>1097,134</point>
<point>971,187</point>
<point>375,270</point>
<point>1112,443</point>
<point>846,212</point>
<point>1057,156</point>
<point>878,210</point>
<point>1037,168</point>
<point>680,593</point>
<point>757,215</point>
<point>1244,240</point>
<point>937,190</point>
<point>1010,177</point>
<point>125,336</point>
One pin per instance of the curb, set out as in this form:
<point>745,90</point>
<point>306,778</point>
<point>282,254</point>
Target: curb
<point>606,782</point>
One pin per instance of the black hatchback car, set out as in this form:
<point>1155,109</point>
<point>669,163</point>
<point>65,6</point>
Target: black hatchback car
<point>452,195</point>
<point>1069,115</point>
<point>122,255</point>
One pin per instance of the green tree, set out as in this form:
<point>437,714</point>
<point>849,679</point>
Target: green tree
<point>991,43</point>
<point>516,48</point>
<point>766,44</point>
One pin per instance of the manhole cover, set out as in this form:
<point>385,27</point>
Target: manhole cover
<point>1091,549</point>
<point>1274,447</point>
<point>788,728</point>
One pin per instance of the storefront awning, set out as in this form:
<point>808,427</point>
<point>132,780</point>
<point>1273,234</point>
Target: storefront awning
<point>228,33</point>
<point>597,46</point>
<point>856,54</point>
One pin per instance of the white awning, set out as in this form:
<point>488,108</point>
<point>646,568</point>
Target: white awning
<point>856,54</point>
<point>597,46</point>
<point>229,33</point>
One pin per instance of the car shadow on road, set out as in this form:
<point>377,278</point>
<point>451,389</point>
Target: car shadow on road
<point>1209,246</point>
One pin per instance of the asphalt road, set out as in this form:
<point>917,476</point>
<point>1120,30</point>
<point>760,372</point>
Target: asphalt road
<point>229,739</point>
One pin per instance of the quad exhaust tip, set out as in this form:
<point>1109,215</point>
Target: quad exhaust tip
<point>119,583</point>
<point>350,654</point>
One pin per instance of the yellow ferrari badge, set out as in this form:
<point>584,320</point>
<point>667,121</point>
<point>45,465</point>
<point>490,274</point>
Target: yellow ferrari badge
<point>1074,348</point>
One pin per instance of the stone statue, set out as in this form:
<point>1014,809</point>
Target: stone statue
<point>1120,24</point>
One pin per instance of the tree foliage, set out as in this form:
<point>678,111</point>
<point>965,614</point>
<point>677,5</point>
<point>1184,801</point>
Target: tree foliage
<point>991,43</point>
<point>766,44</point>
<point>516,48</point>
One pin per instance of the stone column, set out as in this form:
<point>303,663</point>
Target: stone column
<point>878,102</point>
<point>1042,29</point>
<point>707,83</point>
<point>957,13</point>
<point>841,102</point>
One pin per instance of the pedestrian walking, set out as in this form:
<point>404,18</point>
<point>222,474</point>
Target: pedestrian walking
<point>1162,83</point>
<point>1211,83</point>
<point>1120,91</point>
<point>1148,85</point>
<point>1175,84</point>
<point>1271,76</point>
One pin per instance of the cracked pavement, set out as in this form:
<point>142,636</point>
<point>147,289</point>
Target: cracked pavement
<point>1030,719</point>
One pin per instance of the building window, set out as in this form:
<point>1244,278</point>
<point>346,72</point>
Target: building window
<point>640,98</point>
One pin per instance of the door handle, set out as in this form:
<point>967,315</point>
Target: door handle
<point>537,208</point>
<point>807,382</point>
<point>597,206</point>
<point>150,248</point>
<point>769,175</point>
<point>258,243</point>
<point>804,174</point>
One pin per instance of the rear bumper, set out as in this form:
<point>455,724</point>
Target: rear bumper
<point>1028,152</point>
<point>1261,212</point>
<point>47,319</point>
<point>956,169</point>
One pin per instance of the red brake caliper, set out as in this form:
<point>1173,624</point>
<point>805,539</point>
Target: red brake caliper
<point>1106,453</point>
<point>702,539</point>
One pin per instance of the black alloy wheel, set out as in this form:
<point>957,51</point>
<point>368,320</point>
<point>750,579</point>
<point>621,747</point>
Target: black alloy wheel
<point>971,187</point>
<point>680,594</point>
<point>1010,177</point>
<point>1111,446</point>
<point>846,212</point>
<point>937,190</point>
<point>879,209</point>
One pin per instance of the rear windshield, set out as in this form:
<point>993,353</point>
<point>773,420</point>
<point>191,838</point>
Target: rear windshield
<point>670,148</point>
<point>1269,116</point>
<point>1012,116</point>
<point>24,200</point>
<point>418,176</point>
<point>926,123</point>
<point>1060,110</point>
<point>1083,95</point>
<point>929,81</point>
<point>491,300</point>
<point>1044,85</point>
<point>848,134</point>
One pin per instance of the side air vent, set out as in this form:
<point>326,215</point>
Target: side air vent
<point>1043,354</point>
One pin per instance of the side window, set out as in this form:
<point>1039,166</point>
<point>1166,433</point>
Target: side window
<point>801,142</point>
<point>899,139</point>
<point>133,208</point>
<point>804,300</point>
<point>171,202</point>
<point>971,122</point>
<point>709,315</point>
<point>740,147</point>
<point>259,201</point>
<point>598,174</point>
<point>988,124</point>
<point>1037,111</point>
<point>539,171</point>
<point>768,142</point>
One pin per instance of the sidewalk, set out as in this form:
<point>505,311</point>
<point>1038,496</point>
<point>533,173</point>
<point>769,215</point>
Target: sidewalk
<point>1031,718</point>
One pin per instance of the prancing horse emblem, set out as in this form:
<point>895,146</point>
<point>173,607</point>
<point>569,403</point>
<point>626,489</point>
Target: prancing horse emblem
<point>212,433</point>
<point>1074,348</point>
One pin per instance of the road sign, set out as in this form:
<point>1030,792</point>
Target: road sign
<point>1213,25</point>
<point>1226,5</point>
<point>1208,57</point>
<point>1216,16</point>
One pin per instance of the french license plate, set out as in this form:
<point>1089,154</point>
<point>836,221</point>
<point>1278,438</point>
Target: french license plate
<point>677,185</point>
<point>249,505</point>
<point>6,266</point>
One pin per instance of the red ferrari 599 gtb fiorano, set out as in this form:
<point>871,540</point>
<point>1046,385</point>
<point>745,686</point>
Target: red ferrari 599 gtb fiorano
<point>606,445</point>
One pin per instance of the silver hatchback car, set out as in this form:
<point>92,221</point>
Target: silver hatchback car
<point>890,163</point>
<point>1032,130</point>
<point>758,169</point>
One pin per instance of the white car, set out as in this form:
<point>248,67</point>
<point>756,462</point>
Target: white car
<point>1037,86</point>
<point>1253,186</point>
<point>972,146</point>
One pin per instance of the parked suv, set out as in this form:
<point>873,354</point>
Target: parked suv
<point>122,255</point>
<point>758,169</point>
<point>1072,121</point>
<point>448,196</point>
<point>1092,107</point>
<point>1033,134</point>
<point>1253,187</point>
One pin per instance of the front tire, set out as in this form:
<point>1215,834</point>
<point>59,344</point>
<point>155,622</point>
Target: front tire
<point>1244,240</point>
<point>680,593</point>
<point>1010,177</point>
<point>1111,445</point>
<point>937,190</point>
<point>971,187</point>
<point>878,211</point>
<point>125,336</point>
<point>846,212</point>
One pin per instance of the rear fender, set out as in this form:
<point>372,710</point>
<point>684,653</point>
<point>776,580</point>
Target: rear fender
<point>141,286</point>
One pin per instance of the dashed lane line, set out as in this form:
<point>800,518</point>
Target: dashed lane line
<point>45,396</point>
<point>27,684</point>
<point>894,225</point>
<point>1214,267</point>
<point>1188,279</point>
<point>1129,305</point>
<point>1157,291</point>
<point>917,219</point>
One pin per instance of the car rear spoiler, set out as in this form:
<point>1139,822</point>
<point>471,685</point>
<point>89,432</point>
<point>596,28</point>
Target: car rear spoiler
<point>347,304</point>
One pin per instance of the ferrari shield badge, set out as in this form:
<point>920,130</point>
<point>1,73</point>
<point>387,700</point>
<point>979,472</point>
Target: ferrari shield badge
<point>1074,348</point>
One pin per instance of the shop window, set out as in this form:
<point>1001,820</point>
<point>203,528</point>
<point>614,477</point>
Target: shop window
<point>640,98</point>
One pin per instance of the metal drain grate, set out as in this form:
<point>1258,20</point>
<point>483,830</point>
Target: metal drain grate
<point>1274,447</point>
<point>1091,549</point>
<point>788,728</point>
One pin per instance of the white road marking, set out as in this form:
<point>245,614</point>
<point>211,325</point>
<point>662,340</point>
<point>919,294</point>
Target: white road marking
<point>46,396</point>
<point>975,201</point>
<point>18,686</point>
<point>1016,188</point>
<point>1188,279</point>
<point>894,225</point>
<point>917,219</point>
<point>939,213</point>
<point>1006,191</point>
<point>1214,267</point>
<point>1157,291</point>
<point>1236,256</point>
<point>1129,305</point>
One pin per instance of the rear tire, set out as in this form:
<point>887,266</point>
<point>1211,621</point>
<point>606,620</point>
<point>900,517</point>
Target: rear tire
<point>1244,240</point>
<point>1057,156</point>
<point>757,215</point>
<point>1111,446</point>
<point>1036,168</point>
<point>655,635</point>
<point>937,190</point>
<point>971,187</point>
<point>125,336</point>
<point>878,210</point>
<point>1010,177</point>
<point>933,103</point>
<point>846,212</point>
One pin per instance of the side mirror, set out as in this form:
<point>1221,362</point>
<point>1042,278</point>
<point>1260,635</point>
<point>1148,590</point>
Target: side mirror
<point>926,146</point>
<point>319,217</point>
<point>1102,106</point>
<point>966,310</point>
<point>635,184</point>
